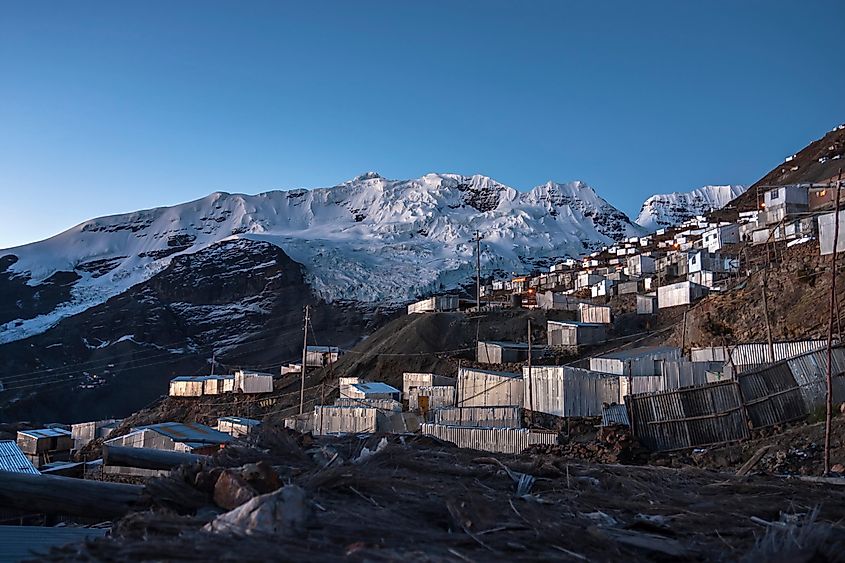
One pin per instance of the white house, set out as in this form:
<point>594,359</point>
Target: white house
<point>716,238</point>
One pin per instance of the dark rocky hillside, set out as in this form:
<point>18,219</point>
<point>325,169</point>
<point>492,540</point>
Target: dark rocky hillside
<point>240,299</point>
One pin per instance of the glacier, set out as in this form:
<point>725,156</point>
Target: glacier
<point>370,240</point>
<point>667,210</point>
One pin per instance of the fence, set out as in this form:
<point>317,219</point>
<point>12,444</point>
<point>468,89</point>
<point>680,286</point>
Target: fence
<point>690,417</point>
<point>791,389</point>
<point>499,417</point>
<point>755,354</point>
<point>345,420</point>
<point>500,440</point>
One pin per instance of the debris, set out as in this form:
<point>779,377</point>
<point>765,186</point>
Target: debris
<point>755,459</point>
<point>282,512</point>
<point>231,490</point>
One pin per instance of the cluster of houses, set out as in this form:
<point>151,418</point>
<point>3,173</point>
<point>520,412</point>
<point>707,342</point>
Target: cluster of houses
<point>674,266</point>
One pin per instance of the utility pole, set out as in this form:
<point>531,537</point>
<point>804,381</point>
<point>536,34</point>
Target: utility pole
<point>304,348</point>
<point>213,355</point>
<point>477,270</point>
<point>829,398</point>
<point>530,383</point>
<point>768,322</point>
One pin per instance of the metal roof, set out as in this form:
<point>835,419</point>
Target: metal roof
<point>573,323</point>
<point>491,372</point>
<point>505,344</point>
<point>614,414</point>
<point>13,460</point>
<point>190,378</point>
<point>192,434</point>
<point>28,542</point>
<point>239,420</point>
<point>45,432</point>
<point>375,387</point>
<point>639,352</point>
<point>322,349</point>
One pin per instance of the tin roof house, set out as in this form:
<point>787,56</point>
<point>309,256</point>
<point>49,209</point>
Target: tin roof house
<point>44,445</point>
<point>13,460</point>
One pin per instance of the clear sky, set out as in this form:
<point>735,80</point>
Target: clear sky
<point>108,107</point>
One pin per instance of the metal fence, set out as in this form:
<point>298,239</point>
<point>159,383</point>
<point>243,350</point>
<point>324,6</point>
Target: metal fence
<point>500,440</point>
<point>755,354</point>
<point>489,417</point>
<point>689,417</point>
<point>791,389</point>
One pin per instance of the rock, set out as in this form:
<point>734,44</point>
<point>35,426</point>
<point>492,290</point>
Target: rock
<point>232,490</point>
<point>284,512</point>
<point>261,476</point>
<point>838,468</point>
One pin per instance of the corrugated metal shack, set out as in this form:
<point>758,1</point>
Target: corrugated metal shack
<point>187,386</point>
<point>791,389</point>
<point>344,383</point>
<point>688,418</point>
<point>345,420</point>
<point>425,399</point>
<point>321,356</point>
<point>253,382</point>
<point>487,417</point>
<point>190,437</point>
<point>743,356</point>
<point>499,352</point>
<point>373,390</point>
<point>681,293</point>
<point>218,384</point>
<point>435,304</point>
<point>86,432</point>
<point>589,313</point>
<point>237,426</point>
<point>412,379</point>
<point>45,445</point>
<point>568,391</point>
<point>480,388</point>
<point>13,460</point>
<point>557,301</point>
<point>671,374</point>
<point>500,440</point>
<point>301,422</point>
<point>571,334</point>
<point>646,304</point>
<point>634,361</point>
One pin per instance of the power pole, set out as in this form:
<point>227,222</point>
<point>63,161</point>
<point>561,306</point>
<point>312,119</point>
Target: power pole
<point>829,399</point>
<point>212,362</point>
<point>304,348</point>
<point>530,383</point>
<point>477,270</point>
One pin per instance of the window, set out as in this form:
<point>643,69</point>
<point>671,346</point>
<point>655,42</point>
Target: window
<point>774,194</point>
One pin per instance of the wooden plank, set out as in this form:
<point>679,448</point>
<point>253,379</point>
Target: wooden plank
<point>753,461</point>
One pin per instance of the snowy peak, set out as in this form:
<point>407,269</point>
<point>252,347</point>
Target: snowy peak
<point>666,210</point>
<point>369,240</point>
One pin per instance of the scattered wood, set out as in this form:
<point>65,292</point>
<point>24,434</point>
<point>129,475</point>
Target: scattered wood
<point>753,461</point>
<point>649,542</point>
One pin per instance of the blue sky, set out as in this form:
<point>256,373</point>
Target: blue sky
<point>108,107</point>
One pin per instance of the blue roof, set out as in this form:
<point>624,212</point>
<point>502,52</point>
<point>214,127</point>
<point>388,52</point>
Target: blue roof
<point>375,387</point>
<point>13,460</point>
<point>322,348</point>
<point>239,420</point>
<point>192,434</point>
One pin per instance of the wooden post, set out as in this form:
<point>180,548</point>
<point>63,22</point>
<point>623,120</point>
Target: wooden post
<point>304,354</point>
<point>684,331</point>
<point>768,322</point>
<point>829,397</point>
<point>530,382</point>
<point>52,494</point>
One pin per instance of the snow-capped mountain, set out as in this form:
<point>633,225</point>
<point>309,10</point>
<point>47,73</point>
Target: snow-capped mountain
<point>370,240</point>
<point>666,210</point>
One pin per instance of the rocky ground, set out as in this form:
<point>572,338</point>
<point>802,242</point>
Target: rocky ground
<point>414,498</point>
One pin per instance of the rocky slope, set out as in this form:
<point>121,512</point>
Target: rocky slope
<point>240,300</point>
<point>369,240</point>
<point>666,210</point>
